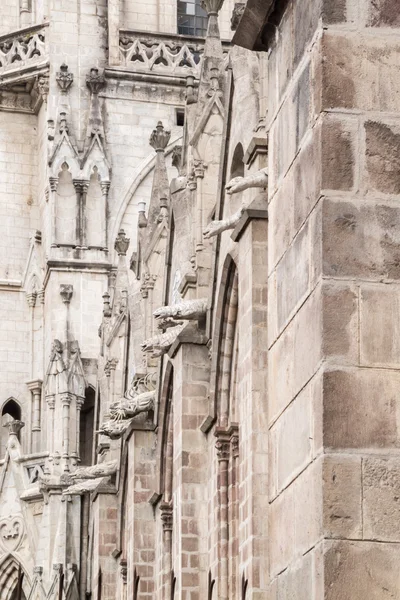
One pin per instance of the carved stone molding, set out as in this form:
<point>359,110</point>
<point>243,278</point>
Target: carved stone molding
<point>64,78</point>
<point>159,138</point>
<point>106,305</point>
<point>223,444</point>
<point>66,291</point>
<point>212,7</point>
<point>121,244</point>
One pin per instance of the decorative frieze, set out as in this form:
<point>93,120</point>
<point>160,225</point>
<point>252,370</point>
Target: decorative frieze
<point>160,53</point>
<point>22,50</point>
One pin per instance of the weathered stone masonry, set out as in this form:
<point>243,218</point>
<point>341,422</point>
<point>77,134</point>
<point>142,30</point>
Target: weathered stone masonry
<point>199,300</point>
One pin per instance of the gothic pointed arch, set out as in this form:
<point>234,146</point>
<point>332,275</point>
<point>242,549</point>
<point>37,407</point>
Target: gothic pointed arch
<point>14,582</point>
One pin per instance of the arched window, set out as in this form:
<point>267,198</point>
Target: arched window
<point>237,165</point>
<point>192,19</point>
<point>87,427</point>
<point>11,410</point>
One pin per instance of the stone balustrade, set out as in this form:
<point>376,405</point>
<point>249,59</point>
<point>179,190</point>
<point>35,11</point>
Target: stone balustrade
<point>162,54</point>
<point>23,50</point>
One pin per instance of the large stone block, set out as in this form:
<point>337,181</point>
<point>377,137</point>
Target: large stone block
<point>384,13</point>
<point>360,240</point>
<point>342,496</point>
<point>380,325</point>
<point>281,374</point>
<point>296,583</point>
<point>340,322</point>
<point>338,153</point>
<point>361,571</point>
<point>281,531</point>
<point>293,276</point>
<point>307,178</point>
<point>361,408</point>
<point>334,11</point>
<point>360,72</point>
<point>280,221</point>
<point>305,22</point>
<point>290,441</point>
<point>383,156</point>
<point>381,499</point>
<point>307,491</point>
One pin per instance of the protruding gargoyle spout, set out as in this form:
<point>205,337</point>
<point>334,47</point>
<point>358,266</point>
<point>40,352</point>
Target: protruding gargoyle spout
<point>253,180</point>
<point>127,409</point>
<point>190,310</point>
<point>101,470</point>
<point>83,487</point>
<point>160,344</point>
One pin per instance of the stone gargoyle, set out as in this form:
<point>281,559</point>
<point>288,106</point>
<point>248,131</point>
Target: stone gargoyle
<point>189,310</point>
<point>160,343</point>
<point>236,185</point>
<point>100,470</point>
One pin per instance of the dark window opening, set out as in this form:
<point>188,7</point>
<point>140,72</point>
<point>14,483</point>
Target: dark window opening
<point>180,117</point>
<point>237,166</point>
<point>87,427</point>
<point>192,19</point>
<point>12,410</point>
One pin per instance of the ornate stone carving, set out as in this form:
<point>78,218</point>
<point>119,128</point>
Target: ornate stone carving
<point>177,157</point>
<point>14,427</point>
<point>95,81</point>
<point>66,291</point>
<point>121,243</point>
<point>212,7</point>
<point>113,429</point>
<point>106,305</point>
<point>110,365</point>
<point>161,343</point>
<point>18,50</point>
<point>166,510</point>
<point>64,78</point>
<point>96,471</point>
<point>11,533</point>
<point>43,86</point>
<point>187,309</point>
<point>237,14</point>
<point>159,138</point>
<point>223,448</point>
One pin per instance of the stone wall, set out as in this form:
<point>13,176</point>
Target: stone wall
<point>332,279</point>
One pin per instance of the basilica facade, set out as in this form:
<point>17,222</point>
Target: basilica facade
<point>199,297</point>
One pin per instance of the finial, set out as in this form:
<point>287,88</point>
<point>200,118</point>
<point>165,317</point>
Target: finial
<point>159,138</point>
<point>121,243</point>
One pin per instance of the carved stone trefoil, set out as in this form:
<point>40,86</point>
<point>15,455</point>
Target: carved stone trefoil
<point>64,78</point>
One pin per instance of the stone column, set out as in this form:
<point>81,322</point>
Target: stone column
<point>166,518</point>
<point>25,13</point>
<point>66,404</point>
<point>113,32</point>
<point>223,448</point>
<point>53,183</point>
<point>35,387</point>
<point>199,169</point>
<point>105,188</point>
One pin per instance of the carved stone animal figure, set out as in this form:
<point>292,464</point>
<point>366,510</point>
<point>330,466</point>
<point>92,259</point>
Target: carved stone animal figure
<point>101,470</point>
<point>160,343</point>
<point>190,310</point>
<point>127,409</point>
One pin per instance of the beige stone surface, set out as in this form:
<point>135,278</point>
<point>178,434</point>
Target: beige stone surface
<point>381,489</point>
<point>343,514</point>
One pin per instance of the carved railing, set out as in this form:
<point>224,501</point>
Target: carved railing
<point>24,49</point>
<point>161,54</point>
